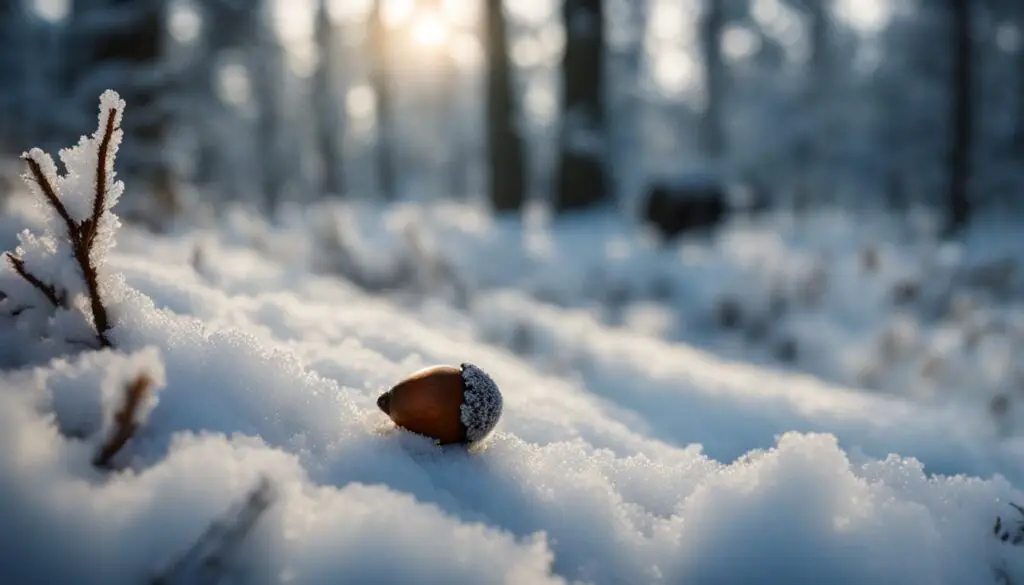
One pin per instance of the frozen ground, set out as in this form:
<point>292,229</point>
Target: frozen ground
<point>622,457</point>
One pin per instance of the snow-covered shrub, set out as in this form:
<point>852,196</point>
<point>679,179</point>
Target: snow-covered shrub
<point>402,257</point>
<point>53,290</point>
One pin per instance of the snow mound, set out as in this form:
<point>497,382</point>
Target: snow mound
<point>254,452</point>
<point>571,488</point>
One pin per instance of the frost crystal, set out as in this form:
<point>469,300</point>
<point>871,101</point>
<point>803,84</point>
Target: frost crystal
<point>481,403</point>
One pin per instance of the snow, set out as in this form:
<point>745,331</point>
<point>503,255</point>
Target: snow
<point>619,457</point>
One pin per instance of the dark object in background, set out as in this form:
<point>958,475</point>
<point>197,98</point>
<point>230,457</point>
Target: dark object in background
<point>696,203</point>
<point>728,312</point>
<point>905,292</point>
<point>787,351</point>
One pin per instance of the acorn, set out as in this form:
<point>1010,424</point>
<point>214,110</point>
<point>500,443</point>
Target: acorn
<point>445,403</point>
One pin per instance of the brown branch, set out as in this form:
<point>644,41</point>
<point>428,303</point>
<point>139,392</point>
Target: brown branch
<point>50,193</point>
<point>99,202</point>
<point>99,312</point>
<point>49,291</point>
<point>84,237</point>
<point>125,420</point>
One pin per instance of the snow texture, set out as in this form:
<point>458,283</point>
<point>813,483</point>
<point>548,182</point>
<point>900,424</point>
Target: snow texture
<point>481,403</point>
<point>621,457</point>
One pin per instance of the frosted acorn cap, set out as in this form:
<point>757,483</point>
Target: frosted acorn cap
<point>481,402</point>
<point>448,404</point>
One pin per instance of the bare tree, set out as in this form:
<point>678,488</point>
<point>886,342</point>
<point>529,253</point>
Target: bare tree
<point>712,135</point>
<point>820,32</point>
<point>505,144</point>
<point>12,26</point>
<point>227,27</point>
<point>326,103</point>
<point>813,102</point>
<point>119,44</point>
<point>1018,18</point>
<point>268,73</point>
<point>961,142</point>
<point>122,38</point>
<point>379,79</point>
<point>582,176</point>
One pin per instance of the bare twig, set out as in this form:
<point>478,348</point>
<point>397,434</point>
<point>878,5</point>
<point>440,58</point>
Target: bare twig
<point>206,561</point>
<point>99,202</point>
<point>50,193</point>
<point>125,421</point>
<point>55,297</point>
<point>85,235</point>
<point>99,312</point>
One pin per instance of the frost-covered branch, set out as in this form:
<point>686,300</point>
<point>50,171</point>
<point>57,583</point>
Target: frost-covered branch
<point>80,227</point>
<point>126,421</point>
<point>51,293</point>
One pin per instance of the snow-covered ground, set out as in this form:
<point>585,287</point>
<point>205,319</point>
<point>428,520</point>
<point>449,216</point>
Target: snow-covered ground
<point>867,300</point>
<point>628,451</point>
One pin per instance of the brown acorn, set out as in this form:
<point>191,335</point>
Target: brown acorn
<point>448,404</point>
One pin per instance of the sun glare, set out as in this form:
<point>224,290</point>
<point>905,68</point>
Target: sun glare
<point>429,30</point>
<point>867,16</point>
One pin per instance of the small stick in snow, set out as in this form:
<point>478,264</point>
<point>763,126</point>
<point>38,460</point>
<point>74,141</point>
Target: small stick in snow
<point>49,291</point>
<point>206,561</point>
<point>125,420</point>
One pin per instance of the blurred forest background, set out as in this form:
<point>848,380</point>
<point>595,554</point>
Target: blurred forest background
<point>580,103</point>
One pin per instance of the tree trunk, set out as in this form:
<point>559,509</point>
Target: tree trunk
<point>507,184</point>
<point>131,47</point>
<point>820,31</point>
<point>809,156</point>
<point>12,26</point>
<point>268,73</point>
<point>712,135</point>
<point>227,28</point>
<point>1018,17</point>
<point>326,103</point>
<point>582,179</point>
<point>387,181</point>
<point>124,52</point>
<point>961,119</point>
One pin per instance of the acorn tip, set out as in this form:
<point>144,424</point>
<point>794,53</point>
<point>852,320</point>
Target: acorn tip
<point>384,402</point>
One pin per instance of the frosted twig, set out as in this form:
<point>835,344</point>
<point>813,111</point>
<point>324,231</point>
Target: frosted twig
<point>56,298</point>
<point>86,233</point>
<point>125,421</point>
<point>50,192</point>
<point>206,561</point>
<point>81,236</point>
